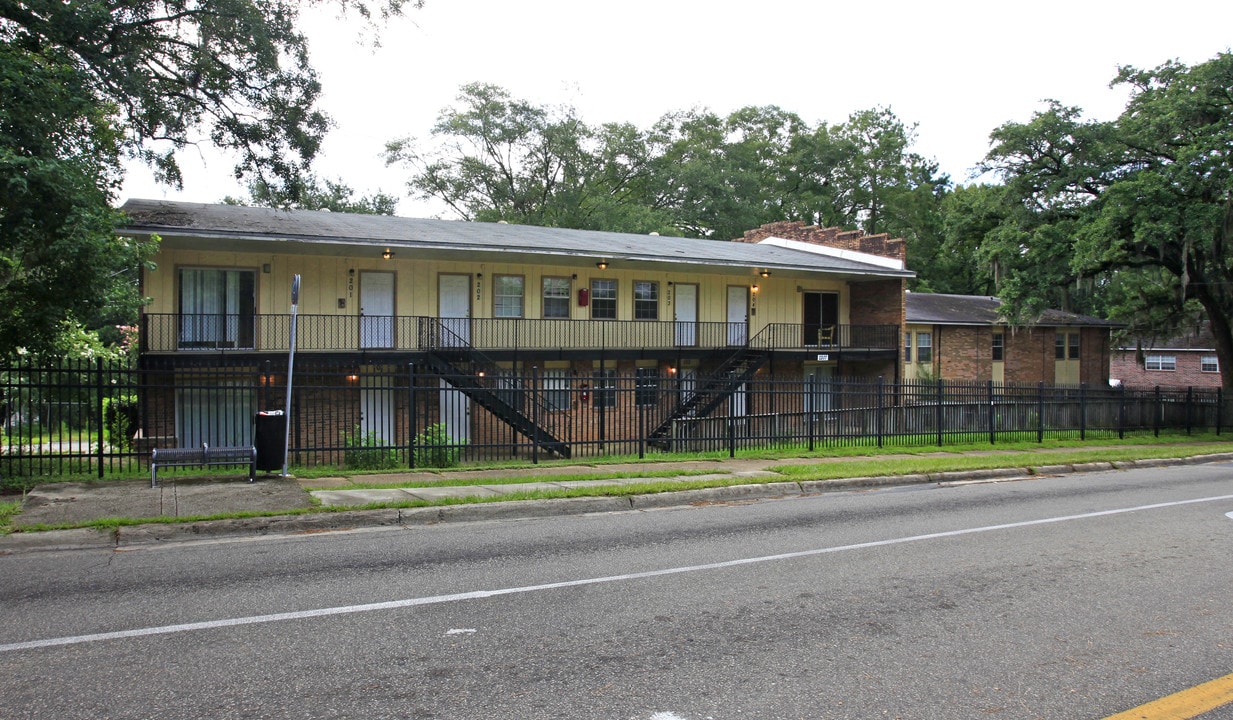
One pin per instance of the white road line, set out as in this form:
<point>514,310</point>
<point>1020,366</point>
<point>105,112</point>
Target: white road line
<point>479,594</point>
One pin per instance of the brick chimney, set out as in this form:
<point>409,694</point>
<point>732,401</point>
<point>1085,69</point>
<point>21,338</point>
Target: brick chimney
<point>881,245</point>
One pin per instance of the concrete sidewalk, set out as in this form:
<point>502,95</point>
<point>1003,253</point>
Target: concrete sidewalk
<point>288,505</point>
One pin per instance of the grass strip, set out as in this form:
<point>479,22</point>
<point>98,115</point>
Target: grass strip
<point>564,477</point>
<point>915,465</point>
<point>900,464</point>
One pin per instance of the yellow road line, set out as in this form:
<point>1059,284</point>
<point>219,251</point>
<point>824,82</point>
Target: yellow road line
<point>1185,704</point>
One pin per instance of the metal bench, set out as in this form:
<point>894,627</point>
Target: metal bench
<point>204,455</point>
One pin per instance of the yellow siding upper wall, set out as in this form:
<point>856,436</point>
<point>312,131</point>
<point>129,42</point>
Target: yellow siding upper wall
<point>327,279</point>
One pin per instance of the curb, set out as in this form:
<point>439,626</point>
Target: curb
<point>346,520</point>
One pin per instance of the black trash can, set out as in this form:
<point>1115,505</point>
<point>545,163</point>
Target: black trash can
<point>270,438</point>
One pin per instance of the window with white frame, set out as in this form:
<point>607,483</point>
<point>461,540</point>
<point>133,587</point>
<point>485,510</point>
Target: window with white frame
<point>1209,364</point>
<point>646,386</point>
<point>507,294</point>
<point>603,299</point>
<point>604,393</point>
<point>556,388</point>
<point>556,297</point>
<point>646,300</point>
<point>999,347</point>
<point>1160,362</point>
<point>907,347</point>
<point>924,347</point>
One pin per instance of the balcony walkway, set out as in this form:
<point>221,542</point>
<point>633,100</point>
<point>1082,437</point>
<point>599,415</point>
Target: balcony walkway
<point>172,333</point>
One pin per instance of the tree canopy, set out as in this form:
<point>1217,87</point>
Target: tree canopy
<point>1138,210</point>
<point>693,173</point>
<point>84,85</point>
<point>317,194</point>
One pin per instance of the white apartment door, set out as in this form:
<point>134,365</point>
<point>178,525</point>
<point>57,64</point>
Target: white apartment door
<point>738,314</point>
<point>685,310</point>
<point>454,309</point>
<point>377,406</point>
<point>376,309</point>
<point>455,412</point>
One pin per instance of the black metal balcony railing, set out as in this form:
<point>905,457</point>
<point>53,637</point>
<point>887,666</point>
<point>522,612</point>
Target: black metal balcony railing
<point>170,332</point>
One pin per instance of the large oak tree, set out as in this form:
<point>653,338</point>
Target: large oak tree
<point>1140,207</point>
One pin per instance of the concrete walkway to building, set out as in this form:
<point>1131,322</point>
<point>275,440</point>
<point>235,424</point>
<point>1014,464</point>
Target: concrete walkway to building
<point>275,504</point>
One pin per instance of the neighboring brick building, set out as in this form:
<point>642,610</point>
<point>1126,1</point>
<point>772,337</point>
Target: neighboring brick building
<point>1186,361</point>
<point>963,338</point>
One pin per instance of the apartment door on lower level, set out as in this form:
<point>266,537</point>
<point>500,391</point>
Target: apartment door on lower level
<point>377,405</point>
<point>455,412</point>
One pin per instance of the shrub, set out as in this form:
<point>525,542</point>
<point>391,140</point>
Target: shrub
<point>119,420</point>
<point>435,448</point>
<point>364,451</point>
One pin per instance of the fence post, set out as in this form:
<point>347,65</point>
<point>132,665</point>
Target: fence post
<point>731,431</point>
<point>602,402</point>
<point>1189,400</point>
<point>1121,412</point>
<point>1040,411</point>
<point>413,422</point>
<point>98,366</point>
<point>641,421</point>
<point>1219,408</point>
<point>993,433</point>
<point>534,415</point>
<point>939,412</point>
<point>813,407</point>
<point>881,405</point>
<point>1159,409</point>
<point>1082,411</point>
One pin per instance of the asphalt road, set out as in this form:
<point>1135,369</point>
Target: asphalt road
<point>1071,597</point>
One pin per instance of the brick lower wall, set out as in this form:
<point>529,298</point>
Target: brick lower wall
<point>1189,372</point>
<point>1029,355</point>
<point>1094,356</point>
<point>964,353</point>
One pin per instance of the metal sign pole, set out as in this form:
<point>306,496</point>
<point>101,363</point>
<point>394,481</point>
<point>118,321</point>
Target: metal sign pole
<point>295,301</point>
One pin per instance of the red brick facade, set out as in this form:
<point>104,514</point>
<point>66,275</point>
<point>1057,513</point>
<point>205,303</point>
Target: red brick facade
<point>1187,372</point>
<point>965,354</point>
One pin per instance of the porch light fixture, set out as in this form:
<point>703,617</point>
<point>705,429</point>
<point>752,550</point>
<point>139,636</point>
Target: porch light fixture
<point>602,264</point>
<point>765,273</point>
<point>754,288</point>
<point>387,254</point>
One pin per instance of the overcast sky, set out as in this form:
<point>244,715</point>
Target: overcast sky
<point>956,69</point>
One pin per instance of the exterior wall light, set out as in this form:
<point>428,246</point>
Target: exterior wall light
<point>387,254</point>
<point>602,264</point>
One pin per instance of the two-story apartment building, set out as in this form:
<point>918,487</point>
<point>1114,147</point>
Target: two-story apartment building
<point>477,302</point>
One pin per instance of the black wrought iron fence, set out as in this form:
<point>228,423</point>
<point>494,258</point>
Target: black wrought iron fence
<point>98,418</point>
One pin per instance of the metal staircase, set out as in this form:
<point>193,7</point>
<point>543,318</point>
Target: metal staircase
<point>711,391</point>
<point>483,381</point>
